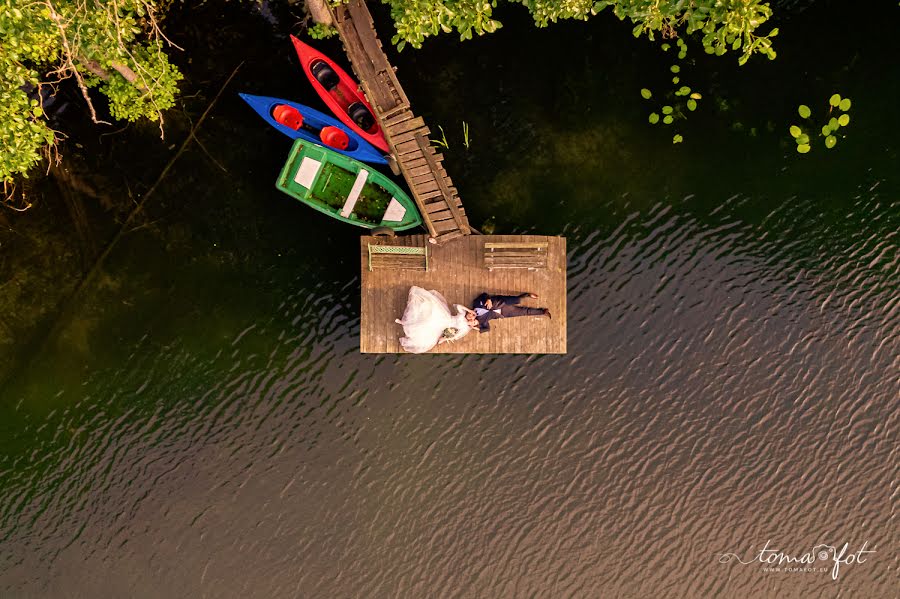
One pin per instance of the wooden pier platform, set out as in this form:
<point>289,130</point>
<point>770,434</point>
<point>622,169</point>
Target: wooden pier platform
<point>460,272</point>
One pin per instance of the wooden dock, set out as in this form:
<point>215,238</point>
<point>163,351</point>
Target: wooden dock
<point>419,163</point>
<point>460,273</point>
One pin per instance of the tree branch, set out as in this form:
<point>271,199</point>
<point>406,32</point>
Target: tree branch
<point>129,75</point>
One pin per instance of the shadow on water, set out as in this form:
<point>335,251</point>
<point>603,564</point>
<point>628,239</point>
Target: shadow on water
<point>204,424</point>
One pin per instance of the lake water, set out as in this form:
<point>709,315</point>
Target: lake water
<point>201,424</point>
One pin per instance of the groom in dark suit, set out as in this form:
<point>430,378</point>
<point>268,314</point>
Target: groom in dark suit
<point>488,307</point>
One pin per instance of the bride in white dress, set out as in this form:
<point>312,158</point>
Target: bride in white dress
<point>428,321</point>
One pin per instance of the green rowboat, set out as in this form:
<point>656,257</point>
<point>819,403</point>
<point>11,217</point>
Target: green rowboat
<point>346,189</point>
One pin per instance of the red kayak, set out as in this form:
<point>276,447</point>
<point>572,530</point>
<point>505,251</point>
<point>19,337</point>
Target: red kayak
<point>341,93</point>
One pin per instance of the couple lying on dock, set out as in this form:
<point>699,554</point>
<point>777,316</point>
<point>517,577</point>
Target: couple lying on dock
<point>429,321</point>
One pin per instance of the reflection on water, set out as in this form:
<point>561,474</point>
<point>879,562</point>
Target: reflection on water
<point>205,426</point>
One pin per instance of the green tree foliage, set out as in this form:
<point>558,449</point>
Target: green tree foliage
<point>724,24</point>
<point>114,45</point>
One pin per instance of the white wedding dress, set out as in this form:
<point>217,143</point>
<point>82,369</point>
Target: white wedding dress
<point>425,319</point>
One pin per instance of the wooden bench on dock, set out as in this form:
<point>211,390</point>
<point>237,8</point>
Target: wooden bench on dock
<point>532,256</point>
<point>398,257</point>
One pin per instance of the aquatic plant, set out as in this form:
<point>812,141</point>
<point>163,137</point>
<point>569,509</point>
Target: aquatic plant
<point>683,98</point>
<point>443,141</point>
<point>828,130</point>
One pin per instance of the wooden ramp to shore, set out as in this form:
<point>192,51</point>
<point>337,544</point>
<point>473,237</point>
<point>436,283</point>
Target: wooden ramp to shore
<point>433,191</point>
<point>460,273</point>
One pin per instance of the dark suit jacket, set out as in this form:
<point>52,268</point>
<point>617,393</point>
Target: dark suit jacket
<point>497,302</point>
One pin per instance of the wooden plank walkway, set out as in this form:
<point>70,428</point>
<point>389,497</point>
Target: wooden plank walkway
<point>457,271</point>
<point>420,164</point>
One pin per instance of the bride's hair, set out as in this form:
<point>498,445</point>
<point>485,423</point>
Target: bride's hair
<point>450,332</point>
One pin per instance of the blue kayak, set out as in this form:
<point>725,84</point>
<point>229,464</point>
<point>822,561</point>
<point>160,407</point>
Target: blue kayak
<point>313,123</point>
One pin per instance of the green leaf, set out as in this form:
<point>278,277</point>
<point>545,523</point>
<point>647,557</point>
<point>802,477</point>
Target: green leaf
<point>692,105</point>
<point>830,141</point>
<point>804,111</point>
<point>696,96</point>
<point>845,104</point>
<point>668,119</point>
<point>675,68</point>
<point>795,131</point>
<point>665,47</point>
<point>646,93</point>
<point>774,32</point>
<point>654,118</point>
<point>803,148</point>
<point>834,124</point>
<point>677,139</point>
<point>675,80</point>
<point>667,109</point>
<point>835,100</point>
<point>844,120</point>
<point>803,139</point>
<point>826,130</point>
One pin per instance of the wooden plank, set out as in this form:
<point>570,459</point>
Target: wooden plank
<point>443,226</point>
<point>409,147</point>
<point>434,207</point>
<point>511,263</point>
<point>488,245</point>
<point>422,179</point>
<point>437,213</point>
<point>454,234</point>
<point>500,255</point>
<point>426,186</point>
<point>430,195</point>
<point>421,170</point>
<point>411,161</point>
<point>400,118</point>
<point>407,125</point>
<point>512,267</point>
<point>409,135</point>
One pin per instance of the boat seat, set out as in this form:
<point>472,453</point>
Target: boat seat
<point>531,256</point>
<point>396,257</point>
<point>361,116</point>
<point>325,75</point>
<point>288,116</point>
